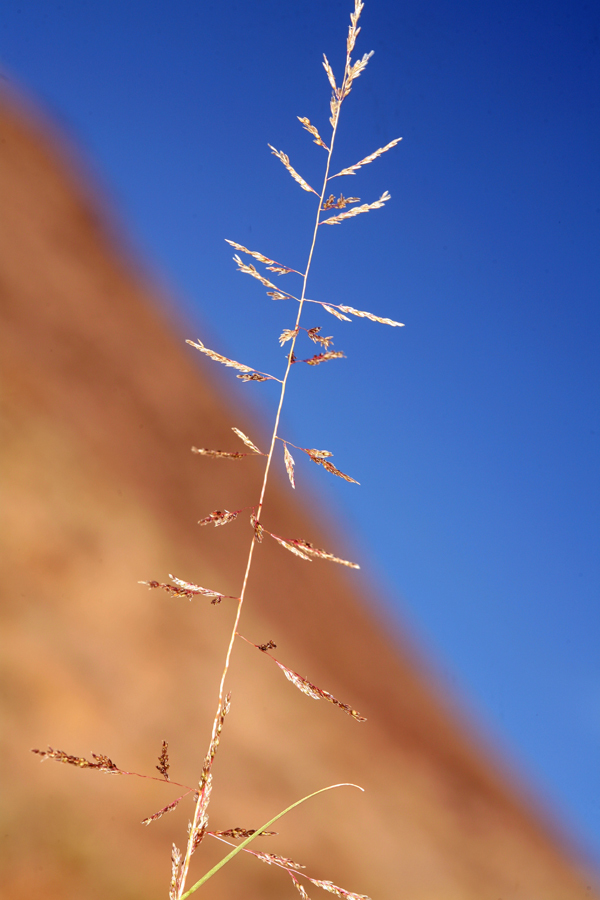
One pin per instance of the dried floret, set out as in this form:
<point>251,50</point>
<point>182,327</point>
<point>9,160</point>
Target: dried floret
<point>219,517</point>
<point>357,210</point>
<point>289,464</point>
<point>162,812</point>
<point>286,162</point>
<point>312,130</point>
<point>163,761</point>
<point>287,335</point>
<point>341,202</point>
<point>335,312</point>
<point>367,315</point>
<point>324,357</point>
<point>244,437</point>
<point>317,693</point>
<point>218,454</point>
<point>338,891</point>
<point>185,589</point>
<point>352,169</point>
<point>99,761</point>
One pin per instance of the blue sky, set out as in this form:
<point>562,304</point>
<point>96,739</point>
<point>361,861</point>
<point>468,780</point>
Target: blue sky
<point>475,429</point>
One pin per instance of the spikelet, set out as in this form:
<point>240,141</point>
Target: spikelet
<point>307,547</point>
<point>231,363</point>
<point>367,315</point>
<point>334,312</point>
<point>256,376</point>
<point>258,529</point>
<point>330,74</point>
<point>163,761</point>
<point>323,357</point>
<point>277,295</point>
<point>210,756</point>
<point>338,891</point>
<point>289,464</point>
<point>252,270</point>
<point>312,130</point>
<point>331,468</point>
<point>175,873</point>
<point>299,887</point>
<point>317,338</point>
<point>100,762</point>
<point>200,823</point>
<point>357,210</point>
<point>318,453</point>
<point>219,517</point>
<point>311,690</point>
<point>341,202</point>
<point>185,589</point>
<point>286,162</point>
<point>305,550</point>
<point>271,264</point>
<point>241,833</point>
<point>244,437</point>
<point>354,71</point>
<point>287,335</point>
<point>273,859</point>
<point>218,454</point>
<point>352,169</point>
<point>291,546</point>
<point>162,812</point>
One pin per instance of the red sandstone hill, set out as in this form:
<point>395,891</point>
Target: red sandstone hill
<point>100,404</point>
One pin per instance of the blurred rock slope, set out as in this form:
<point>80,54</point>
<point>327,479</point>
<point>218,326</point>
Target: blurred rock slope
<point>100,404</point>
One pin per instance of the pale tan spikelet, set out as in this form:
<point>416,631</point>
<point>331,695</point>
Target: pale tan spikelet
<point>299,887</point>
<point>312,130</point>
<point>311,690</point>
<point>277,295</point>
<point>271,264</point>
<point>307,548</point>
<point>218,454</point>
<point>356,210</point>
<point>219,517</point>
<point>289,464</point>
<point>162,812</point>
<point>273,859</point>
<point>175,873</point>
<point>338,891</point>
<point>291,547</point>
<point>354,71</point>
<point>286,162</point>
<point>258,529</point>
<point>332,469</point>
<point>219,358</point>
<point>368,159</point>
<point>367,315</point>
<point>334,105</point>
<point>330,74</point>
<point>244,437</point>
<point>200,824</point>
<point>353,30</point>
<point>319,453</point>
<point>334,312</point>
<point>323,357</point>
<point>287,335</point>
<point>252,270</point>
<point>256,376</point>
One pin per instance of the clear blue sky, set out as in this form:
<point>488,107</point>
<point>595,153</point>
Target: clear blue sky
<point>475,429</point>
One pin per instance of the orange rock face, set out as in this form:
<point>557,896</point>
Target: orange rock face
<point>101,402</point>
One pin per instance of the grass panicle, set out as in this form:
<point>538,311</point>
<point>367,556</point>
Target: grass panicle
<point>344,208</point>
